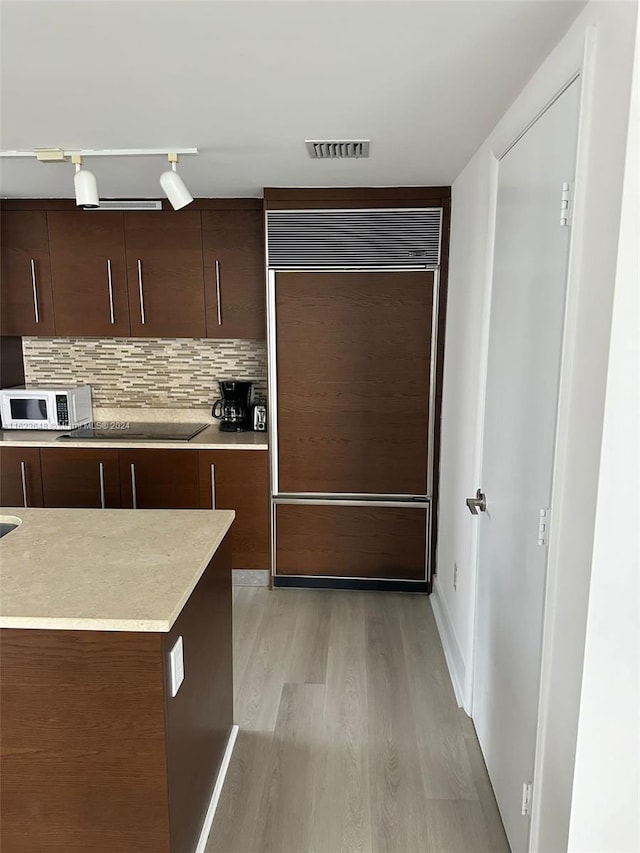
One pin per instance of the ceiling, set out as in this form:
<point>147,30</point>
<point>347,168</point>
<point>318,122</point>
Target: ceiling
<point>247,81</point>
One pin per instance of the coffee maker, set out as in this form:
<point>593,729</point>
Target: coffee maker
<point>233,409</point>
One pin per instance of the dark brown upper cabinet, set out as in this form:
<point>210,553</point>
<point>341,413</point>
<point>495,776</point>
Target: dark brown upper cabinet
<point>88,273</point>
<point>26,305</point>
<point>164,274</point>
<point>234,273</point>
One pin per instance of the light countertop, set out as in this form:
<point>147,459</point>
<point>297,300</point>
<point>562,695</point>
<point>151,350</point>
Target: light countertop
<point>104,570</point>
<point>209,439</point>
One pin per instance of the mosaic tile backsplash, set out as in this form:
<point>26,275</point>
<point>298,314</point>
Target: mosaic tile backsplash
<point>139,372</point>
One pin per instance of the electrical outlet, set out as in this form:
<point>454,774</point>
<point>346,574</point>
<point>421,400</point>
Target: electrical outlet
<point>455,576</point>
<point>176,666</point>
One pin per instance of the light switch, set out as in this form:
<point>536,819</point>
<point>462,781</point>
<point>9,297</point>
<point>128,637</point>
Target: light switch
<point>176,666</point>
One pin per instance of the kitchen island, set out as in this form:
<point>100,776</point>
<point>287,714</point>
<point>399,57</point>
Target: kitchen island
<point>103,747</point>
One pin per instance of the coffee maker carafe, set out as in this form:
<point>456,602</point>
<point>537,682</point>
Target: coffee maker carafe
<point>233,408</point>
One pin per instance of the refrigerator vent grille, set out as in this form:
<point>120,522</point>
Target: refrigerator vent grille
<point>301,239</point>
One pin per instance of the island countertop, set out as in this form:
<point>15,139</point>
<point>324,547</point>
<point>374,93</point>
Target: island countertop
<point>104,570</point>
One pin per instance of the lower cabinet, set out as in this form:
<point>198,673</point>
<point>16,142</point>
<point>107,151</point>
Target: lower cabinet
<point>159,479</point>
<point>20,480</point>
<point>147,479</point>
<point>351,542</point>
<point>239,480</point>
<point>80,478</point>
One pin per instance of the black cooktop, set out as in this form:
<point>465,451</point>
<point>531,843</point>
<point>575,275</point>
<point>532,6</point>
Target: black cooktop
<point>134,431</point>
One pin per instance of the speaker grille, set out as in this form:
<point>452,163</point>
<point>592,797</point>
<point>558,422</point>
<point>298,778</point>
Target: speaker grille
<point>354,238</point>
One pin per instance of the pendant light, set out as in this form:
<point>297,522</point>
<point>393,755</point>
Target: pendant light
<point>85,184</point>
<point>174,187</point>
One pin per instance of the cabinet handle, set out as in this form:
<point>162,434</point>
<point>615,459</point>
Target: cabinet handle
<point>34,287</point>
<point>213,487</point>
<point>134,492</point>
<point>23,475</point>
<point>110,285</point>
<point>218,293</point>
<point>141,292</point>
<point>101,475</point>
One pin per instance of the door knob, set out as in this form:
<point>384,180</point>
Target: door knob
<point>479,503</point>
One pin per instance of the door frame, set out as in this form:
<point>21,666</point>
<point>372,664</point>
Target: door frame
<point>581,63</point>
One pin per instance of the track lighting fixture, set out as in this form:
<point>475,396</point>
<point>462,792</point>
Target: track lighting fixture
<point>85,185</point>
<point>173,185</point>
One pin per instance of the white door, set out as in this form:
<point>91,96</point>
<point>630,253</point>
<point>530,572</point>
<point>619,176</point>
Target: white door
<point>525,342</point>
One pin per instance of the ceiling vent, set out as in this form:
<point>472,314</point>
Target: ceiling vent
<point>337,149</point>
<point>136,204</point>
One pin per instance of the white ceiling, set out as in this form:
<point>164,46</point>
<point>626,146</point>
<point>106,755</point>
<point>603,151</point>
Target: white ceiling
<point>246,81</point>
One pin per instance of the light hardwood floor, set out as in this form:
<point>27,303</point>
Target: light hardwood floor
<point>350,738</point>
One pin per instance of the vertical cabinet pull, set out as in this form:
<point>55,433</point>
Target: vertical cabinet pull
<point>112,317</point>
<point>218,293</point>
<point>34,287</point>
<point>134,493</point>
<point>213,487</point>
<point>23,475</point>
<point>141,292</point>
<point>101,475</point>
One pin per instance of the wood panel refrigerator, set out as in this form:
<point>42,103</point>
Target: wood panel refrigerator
<point>352,334</point>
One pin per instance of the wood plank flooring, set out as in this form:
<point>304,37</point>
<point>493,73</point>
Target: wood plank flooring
<point>350,738</point>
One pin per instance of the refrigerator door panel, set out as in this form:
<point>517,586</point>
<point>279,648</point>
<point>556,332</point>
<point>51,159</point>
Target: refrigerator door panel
<point>354,541</point>
<point>353,353</point>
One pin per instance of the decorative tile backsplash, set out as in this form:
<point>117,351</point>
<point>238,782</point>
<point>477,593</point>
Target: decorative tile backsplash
<point>139,372</point>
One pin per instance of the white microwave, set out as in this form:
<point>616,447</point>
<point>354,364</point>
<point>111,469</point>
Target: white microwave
<point>26,407</point>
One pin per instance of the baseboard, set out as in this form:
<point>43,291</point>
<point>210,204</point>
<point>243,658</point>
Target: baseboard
<point>312,582</point>
<point>217,790</point>
<point>455,662</point>
<point>250,577</point>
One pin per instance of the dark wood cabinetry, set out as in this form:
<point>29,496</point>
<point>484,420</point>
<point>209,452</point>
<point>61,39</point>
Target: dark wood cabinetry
<point>26,306</point>
<point>80,478</point>
<point>148,274</point>
<point>109,478</point>
<point>20,480</point>
<point>351,541</point>
<point>159,479</point>
<point>164,274</point>
<point>88,273</point>
<point>97,754</point>
<point>234,273</point>
<point>240,481</point>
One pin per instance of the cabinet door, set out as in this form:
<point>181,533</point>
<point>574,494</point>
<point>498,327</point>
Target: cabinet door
<point>20,482</point>
<point>159,479</point>
<point>351,541</point>
<point>164,274</point>
<point>26,306</point>
<point>354,367</point>
<point>88,273</point>
<point>234,273</point>
<point>80,478</point>
<point>239,480</point>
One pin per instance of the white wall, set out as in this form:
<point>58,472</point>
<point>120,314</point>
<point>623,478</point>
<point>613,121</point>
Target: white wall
<point>605,813</point>
<point>605,86</point>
